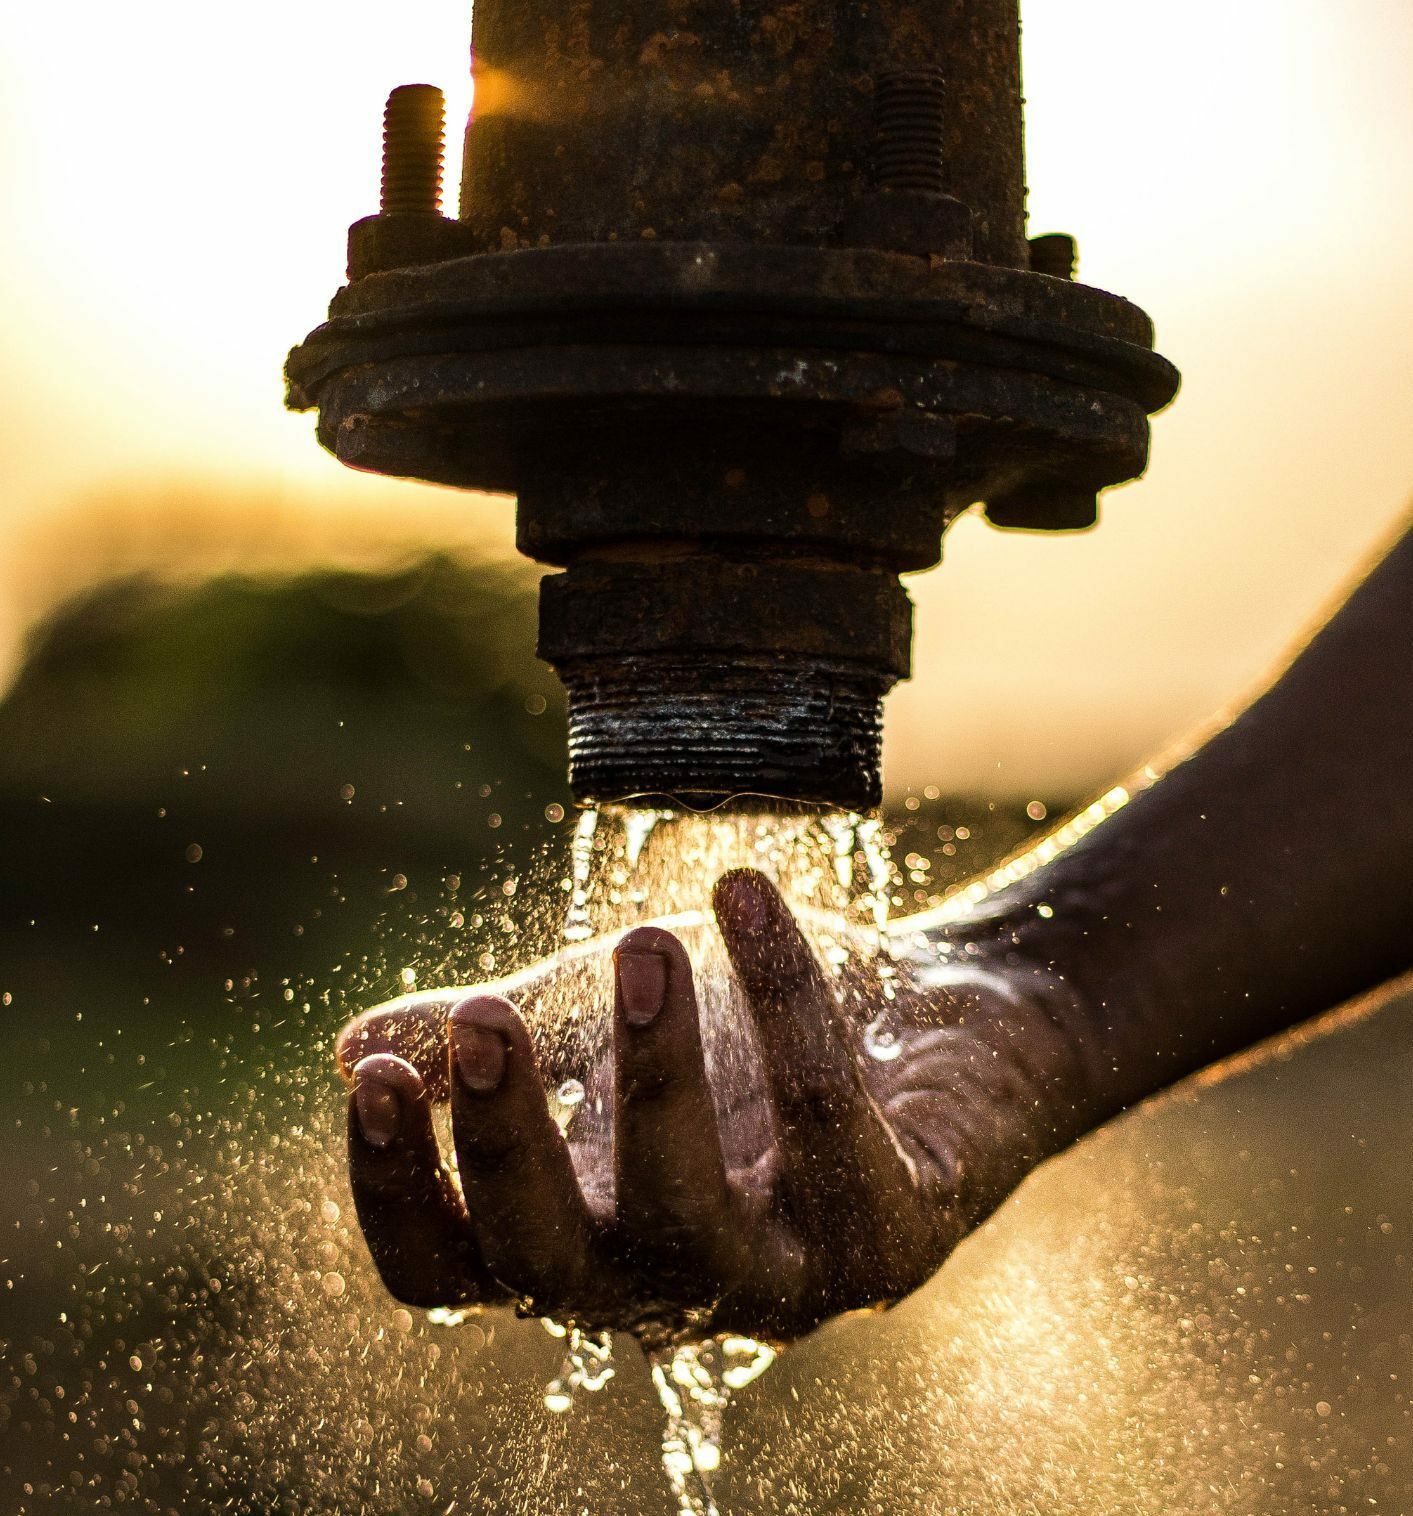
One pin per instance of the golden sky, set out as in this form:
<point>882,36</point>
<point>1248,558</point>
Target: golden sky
<point>177,180</point>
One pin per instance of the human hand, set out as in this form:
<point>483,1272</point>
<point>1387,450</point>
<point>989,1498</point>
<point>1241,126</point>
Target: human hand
<point>833,1182</point>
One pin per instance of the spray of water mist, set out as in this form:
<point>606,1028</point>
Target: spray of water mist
<point>629,866</point>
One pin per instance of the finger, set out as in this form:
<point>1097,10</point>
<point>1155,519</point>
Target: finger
<point>412,1029</point>
<point>838,1153</point>
<point>407,1204</point>
<point>674,1206</point>
<point>527,1210</point>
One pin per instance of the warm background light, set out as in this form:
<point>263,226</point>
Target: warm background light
<point>178,179</point>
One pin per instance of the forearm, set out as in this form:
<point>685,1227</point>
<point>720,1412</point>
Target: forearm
<point>1264,879</point>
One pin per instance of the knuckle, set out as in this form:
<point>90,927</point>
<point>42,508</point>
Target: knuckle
<point>487,1150</point>
<point>651,1082</point>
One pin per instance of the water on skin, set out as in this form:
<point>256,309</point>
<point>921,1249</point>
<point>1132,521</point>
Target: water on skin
<point>630,866</point>
<point>1201,1308</point>
<point>633,865</point>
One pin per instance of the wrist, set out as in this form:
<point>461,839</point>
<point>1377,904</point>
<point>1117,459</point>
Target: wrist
<point>1004,1045</point>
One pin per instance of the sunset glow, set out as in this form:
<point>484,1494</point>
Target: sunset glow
<point>182,181</point>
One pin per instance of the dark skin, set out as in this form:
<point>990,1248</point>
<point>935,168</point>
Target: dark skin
<point>1264,879</point>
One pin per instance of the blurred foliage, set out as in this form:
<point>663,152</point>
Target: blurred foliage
<point>313,737</point>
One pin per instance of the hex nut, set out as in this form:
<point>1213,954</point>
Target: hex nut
<point>1045,505</point>
<point>915,222</point>
<point>405,239</point>
<point>1054,254</point>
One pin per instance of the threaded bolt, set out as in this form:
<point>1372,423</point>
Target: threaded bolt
<point>910,127</point>
<point>412,150</point>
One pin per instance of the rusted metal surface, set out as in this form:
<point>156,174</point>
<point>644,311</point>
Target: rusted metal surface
<point>740,306</point>
<point>711,728</point>
<point>676,692</point>
<point>694,120</point>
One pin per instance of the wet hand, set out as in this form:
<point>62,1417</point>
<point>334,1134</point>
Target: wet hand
<point>836,1182</point>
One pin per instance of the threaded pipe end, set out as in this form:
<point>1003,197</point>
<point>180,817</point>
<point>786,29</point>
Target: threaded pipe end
<point>908,106</point>
<point>412,150</point>
<point>705,728</point>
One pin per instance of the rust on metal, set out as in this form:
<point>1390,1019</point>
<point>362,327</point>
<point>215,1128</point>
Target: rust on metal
<point>739,304</point>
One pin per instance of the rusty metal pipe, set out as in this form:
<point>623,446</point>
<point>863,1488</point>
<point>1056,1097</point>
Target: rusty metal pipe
<point>612,120</point>
<point>740,306</point>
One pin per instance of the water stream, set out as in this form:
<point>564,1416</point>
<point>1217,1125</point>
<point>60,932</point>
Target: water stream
<point>630,866</point>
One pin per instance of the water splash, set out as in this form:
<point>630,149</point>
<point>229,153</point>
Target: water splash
<point>880,1041</point>
<point>629,866</point>
<point>694,1383</point>
<point>587,1367</point>
<point>578,924</point>
<point>1160,1320</point>
<point>564,1102</point>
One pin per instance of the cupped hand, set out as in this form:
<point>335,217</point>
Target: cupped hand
<point>834,1182</point>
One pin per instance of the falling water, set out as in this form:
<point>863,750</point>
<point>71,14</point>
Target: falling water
<point>629,866</point>
<point>695,1382</point>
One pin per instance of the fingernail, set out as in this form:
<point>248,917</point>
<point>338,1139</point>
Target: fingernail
<point>379,1113</point>
<point>748,905</point>
<point>642,982</point>
<point>480,1056</point>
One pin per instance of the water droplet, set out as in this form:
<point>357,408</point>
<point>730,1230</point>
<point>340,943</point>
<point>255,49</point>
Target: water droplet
<point>441,1316</point>
<point>881,1042</point>
<point>746,1360</point>
<point>588,1365</point>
